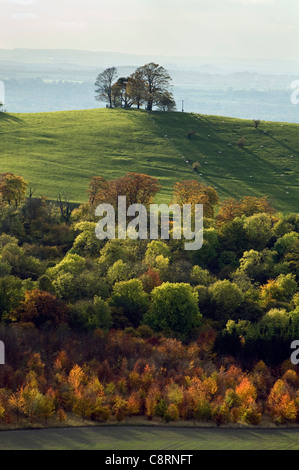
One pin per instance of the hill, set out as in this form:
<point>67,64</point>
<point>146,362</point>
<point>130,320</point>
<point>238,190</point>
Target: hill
<point>57,153</point>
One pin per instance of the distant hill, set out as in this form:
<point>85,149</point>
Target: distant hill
<point>57,153</point>
<point>47,80</point>
<point>107,58</point>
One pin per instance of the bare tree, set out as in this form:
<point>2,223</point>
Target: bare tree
<point>66,208</point>
<point>104,84</point>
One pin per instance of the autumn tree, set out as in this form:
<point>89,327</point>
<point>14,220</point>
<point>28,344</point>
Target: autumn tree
<point>193,192</point>
<point>251,205</point>
<point>231,208</point>
<point>121,96</point>
<point>41,308</point>
<point>136,88</point>
<point>136,187</point>
<point>281,404</point>
<point>157,83</point>
<point>280,289</point>
<point>44,406</point>
<point>12,189</point>
<point>150,279</point>
<point>17,402</point>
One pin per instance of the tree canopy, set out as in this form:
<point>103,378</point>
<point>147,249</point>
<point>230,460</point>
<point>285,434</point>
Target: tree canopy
<point>149,85</point>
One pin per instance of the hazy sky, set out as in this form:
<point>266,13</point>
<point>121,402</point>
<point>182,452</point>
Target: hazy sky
<point>212,28</point>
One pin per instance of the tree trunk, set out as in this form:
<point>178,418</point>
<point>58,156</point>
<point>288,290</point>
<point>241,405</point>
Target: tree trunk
<point>149,105</point>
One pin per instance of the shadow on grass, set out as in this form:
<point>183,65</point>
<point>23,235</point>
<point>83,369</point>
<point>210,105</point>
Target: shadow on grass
<point>283,144</point>
<point>9,117</point>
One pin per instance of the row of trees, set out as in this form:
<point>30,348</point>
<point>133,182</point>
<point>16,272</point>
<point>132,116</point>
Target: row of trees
<point>149,85</point>
<point>135,376</point>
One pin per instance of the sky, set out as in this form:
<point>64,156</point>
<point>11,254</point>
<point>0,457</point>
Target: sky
<point>247,29</point>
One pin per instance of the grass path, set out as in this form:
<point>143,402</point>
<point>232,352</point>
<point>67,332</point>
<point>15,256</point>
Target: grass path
<point>146,438</point>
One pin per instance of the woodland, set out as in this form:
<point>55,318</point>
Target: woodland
<point>108,330</point>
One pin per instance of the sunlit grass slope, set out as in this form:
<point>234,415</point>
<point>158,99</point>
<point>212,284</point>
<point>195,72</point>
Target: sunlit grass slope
<point>57,153</point>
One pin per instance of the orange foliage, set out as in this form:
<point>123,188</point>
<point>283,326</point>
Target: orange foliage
<point>246,392</point>
<point>150,280</point>
<point>131,377</point>
<point>138,188</point>
<point>193,192</point>
<point>41,309</point>
<point>281,404</point>
<point>248,206</point>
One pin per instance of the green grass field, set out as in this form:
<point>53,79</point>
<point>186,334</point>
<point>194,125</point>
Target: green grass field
<point>57,153</point>
<point>147,438</point>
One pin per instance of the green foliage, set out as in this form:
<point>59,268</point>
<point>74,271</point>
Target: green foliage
<point>247,271</point>
<point>201,276</point>
<point>258,229</point>
<point>257,266</point>
<point>11,293</point>
<point>71,263</point>
<point>19,263</point>
<point>86,243</point>
<point>115,250</point>
<point>233,236</point>
<point>90,315</point>
<point>131,298</point>
<point>174,309</point>
<point>207,255</point>
<point>226,295</point>
<point>119,271</point>
<point>285,243</point>
<point>287,286</point>
<point>156,248</point>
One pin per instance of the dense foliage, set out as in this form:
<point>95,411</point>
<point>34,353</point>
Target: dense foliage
<point>117,328</point>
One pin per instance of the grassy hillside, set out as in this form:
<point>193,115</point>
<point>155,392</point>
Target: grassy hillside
<point>59,152</point>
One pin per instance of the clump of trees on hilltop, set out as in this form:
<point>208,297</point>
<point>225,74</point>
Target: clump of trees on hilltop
<point>149,85</point>
<point>110,329</point>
